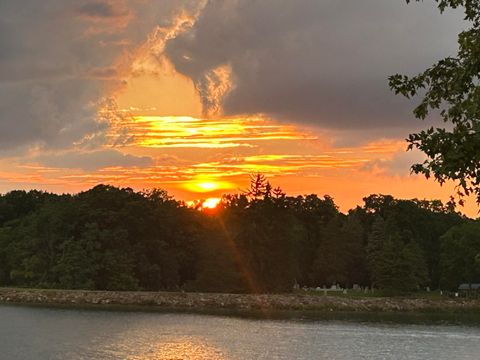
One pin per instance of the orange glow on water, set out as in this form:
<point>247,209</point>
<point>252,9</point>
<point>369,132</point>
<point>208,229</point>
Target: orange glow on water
<point>186,347</point>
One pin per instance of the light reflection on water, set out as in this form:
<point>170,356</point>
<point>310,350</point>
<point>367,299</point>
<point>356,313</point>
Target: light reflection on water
<point>41,333</point>
<point>179,349</point>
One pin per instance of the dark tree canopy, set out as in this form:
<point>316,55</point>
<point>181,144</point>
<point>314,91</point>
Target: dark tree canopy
<point>451,87</point>
<point>262,241</point>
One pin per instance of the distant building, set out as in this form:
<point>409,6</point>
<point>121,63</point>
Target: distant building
<point>469,287</point>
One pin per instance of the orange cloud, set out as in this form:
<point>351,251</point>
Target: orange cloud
<point>186,131</point>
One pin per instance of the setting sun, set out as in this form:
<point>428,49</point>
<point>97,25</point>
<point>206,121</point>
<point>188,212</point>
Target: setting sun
<point>277,164</point>
<point>201,186</point>
<point>211,203</point>
<point>202,204</point>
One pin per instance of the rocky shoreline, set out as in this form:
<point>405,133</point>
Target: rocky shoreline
<point>235,302</point>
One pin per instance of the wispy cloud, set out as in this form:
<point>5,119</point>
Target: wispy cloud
<point>189,132</point>
<point>91,160</point>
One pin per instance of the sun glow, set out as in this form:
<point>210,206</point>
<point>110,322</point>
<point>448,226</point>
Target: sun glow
<point>204,204</point>
<point>189,132</point>
<point>204,186</point>
<point>211,203</point>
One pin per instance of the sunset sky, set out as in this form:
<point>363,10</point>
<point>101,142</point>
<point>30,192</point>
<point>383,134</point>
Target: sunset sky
<point>193,96</point>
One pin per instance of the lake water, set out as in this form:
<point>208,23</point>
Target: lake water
<point>46,333</point>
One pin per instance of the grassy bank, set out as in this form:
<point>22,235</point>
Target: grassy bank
<point>238,302</point>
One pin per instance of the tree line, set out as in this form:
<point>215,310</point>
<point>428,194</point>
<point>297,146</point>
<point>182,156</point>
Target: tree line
<point>259,241</point>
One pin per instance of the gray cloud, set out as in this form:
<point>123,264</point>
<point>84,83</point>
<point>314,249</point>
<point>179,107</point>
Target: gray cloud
<point>52,114</point>
<point>323,62</point>
<point>399,165</point>
<point>57,60</point>
<point>105,73</point>
<point>45,96</point>
<point>101,9</point>
<point>94,160</point>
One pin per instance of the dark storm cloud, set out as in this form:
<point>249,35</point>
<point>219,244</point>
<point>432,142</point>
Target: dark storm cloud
<point>322,62</point>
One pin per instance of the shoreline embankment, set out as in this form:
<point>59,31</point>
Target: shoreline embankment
<point>181,301</point>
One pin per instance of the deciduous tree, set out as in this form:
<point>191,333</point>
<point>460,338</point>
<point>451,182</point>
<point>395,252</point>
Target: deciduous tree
<point>452,87</point>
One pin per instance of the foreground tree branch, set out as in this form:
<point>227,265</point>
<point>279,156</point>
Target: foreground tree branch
<point>452,87</point>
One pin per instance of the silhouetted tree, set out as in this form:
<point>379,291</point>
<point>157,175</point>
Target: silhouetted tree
<point>451,87</point>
